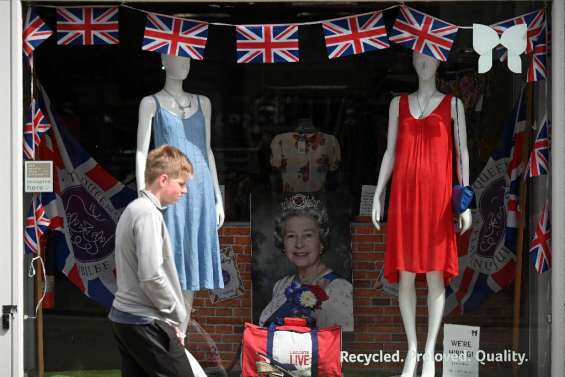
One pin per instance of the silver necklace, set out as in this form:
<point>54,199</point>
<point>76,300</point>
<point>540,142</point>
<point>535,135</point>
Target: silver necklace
<point>420,107</point>
<point>185,109</point>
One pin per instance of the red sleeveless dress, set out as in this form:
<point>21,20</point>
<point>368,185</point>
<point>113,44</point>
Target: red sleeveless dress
<point>420,230</point>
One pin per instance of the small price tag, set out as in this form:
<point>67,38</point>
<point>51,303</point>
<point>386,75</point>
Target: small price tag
<point>302,146</point>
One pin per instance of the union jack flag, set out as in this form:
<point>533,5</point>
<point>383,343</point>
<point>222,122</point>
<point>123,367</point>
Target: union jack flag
<point>423,33</point>
<point>87,201</point>
<point>35,32</point>
<point>87,26</point>
<point>516,167</point>
<point>537,68</point>
<point>36,225</point>
<point>267,43</point>
<point>34,129</point>
<point>536,25</point>
<point>488,251</point>
<point>539,157</point>
<point>540,246</point>
<point>355,35</point>
<point>175,36</point>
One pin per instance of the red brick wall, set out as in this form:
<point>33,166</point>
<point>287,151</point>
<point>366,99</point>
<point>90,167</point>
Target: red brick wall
<point>378,325</point>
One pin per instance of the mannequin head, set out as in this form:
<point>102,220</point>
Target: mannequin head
<point>425,65</point>
<point>177,67</point>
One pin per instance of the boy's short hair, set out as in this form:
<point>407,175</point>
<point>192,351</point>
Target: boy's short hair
<point>166,159</point>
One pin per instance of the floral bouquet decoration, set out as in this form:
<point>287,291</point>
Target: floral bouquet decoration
<point>302,300</point>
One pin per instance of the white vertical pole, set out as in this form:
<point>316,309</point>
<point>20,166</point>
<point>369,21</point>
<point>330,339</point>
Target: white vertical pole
<point>558,188</point>
<point>16,160</point>
<point>11,219</point>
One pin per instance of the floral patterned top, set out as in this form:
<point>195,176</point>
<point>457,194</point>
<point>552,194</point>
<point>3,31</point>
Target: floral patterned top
<point>305,159</point>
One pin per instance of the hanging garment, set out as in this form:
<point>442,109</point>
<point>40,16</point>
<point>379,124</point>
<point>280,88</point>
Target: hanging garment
<point>305,159</point>
<point>192,220</point>
<point>420,229</point>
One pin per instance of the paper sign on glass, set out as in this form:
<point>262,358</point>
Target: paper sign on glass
<point>460,347</point>
<point>485,39</point>
<point>38,176</point>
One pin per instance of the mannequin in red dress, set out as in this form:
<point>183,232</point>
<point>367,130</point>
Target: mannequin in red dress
<point>421,236</point>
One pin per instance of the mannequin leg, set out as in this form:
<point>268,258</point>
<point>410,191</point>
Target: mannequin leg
<point>188,297</point>
<point>407,303</point>
<point>436,304</point>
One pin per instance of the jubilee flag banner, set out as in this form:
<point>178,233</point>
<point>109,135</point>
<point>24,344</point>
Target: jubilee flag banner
<point>34,128</point>
<point>87,26</point>
<point>538,164</point>
<point>175,36</point>
<point>540,246</point>
<point>87,202</point>
<point>487,260</point>
<point>267,43</point>
<point>355,35</point>
<point>34,34</point>
<point>423,33</point>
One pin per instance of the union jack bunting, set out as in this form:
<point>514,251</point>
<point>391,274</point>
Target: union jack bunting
<point>35,32</point>
<point>423,33</point>
<point>34,129</point>
<point>487,253</point>
<point>355,35</point>
<point>88,201</point>
<point>35,226</point>
<point>87,26</point>
<point>539,156</point>
<point>540,246</point>
<point>175,36</point>
<point>536,25</point>
<point>537,68</point>
<point>267,43</point>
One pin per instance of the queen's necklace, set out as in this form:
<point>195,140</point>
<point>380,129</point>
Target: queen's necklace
<point>185,109</point>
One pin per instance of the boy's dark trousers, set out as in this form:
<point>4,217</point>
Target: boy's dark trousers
<point>151,350</point>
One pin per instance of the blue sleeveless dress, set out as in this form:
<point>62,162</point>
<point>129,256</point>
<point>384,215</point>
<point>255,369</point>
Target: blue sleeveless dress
<point>191,221</point>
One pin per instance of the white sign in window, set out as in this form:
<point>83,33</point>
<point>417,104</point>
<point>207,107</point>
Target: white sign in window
<point>38,176</point>
<point>460,348</point>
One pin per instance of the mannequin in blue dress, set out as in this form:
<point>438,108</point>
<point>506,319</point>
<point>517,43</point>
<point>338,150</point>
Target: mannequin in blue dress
<point>173,116</point>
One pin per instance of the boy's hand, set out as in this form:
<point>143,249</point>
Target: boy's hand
<point>180,336</point>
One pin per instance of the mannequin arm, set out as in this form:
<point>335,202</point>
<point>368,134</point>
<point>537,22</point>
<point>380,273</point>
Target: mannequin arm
<point>147,109</point>
<point>387,165</point>
<point>207,110</point>
<point>462,157</point>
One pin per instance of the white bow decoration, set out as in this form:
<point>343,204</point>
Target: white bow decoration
<point>485,39</point>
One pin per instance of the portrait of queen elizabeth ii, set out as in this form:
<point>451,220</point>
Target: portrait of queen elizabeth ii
<point>309,287</point>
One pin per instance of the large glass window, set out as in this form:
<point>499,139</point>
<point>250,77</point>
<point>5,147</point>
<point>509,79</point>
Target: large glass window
<point>259,111</point>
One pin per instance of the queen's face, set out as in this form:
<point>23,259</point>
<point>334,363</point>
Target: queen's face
<point>301,238</point>
<point>425,65</point>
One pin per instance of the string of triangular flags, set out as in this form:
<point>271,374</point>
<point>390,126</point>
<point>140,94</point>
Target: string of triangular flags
<point>539,165</point>
<point>272,43</point>
<point>279,43</point>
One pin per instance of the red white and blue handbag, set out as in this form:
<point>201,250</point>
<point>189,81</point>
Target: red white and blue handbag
<point>291,350</point>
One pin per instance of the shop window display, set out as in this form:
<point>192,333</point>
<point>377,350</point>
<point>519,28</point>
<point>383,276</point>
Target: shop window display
<point>318,127</point>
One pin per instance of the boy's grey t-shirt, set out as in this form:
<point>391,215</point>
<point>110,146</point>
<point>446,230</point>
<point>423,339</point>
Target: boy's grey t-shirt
<point>148,284</point>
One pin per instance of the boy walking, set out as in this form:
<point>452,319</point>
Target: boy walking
<point>148,307</point>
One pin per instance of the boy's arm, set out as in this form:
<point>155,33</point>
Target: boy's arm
<point>149,249</point>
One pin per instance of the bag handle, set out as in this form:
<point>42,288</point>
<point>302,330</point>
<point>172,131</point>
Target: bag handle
<point>270,339</point>
<point>315,353</point>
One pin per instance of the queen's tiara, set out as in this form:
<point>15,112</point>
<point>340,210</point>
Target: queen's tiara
<point>300,201</point>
